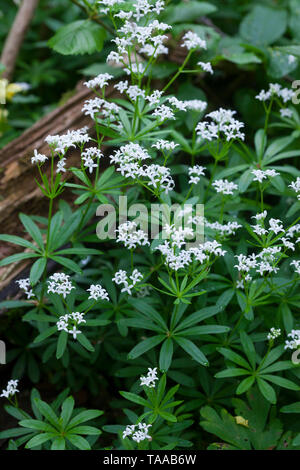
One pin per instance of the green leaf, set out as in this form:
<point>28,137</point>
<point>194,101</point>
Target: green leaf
<point>192,349</point>
<point>39,440</point>
<point>79,251</point>
<point>88,430</point>
<point>82,339</point>
<point>67,263</point>
<point>135,399</point>
<point>78,37</point>
<point>14,304</point>
<point>205,330</point>
<point>17,257</point>
<point>248,348</point>
<point>47,412</point>
<point>293,50</point>
<point>67,410</point>
<point>181,12</point>
<point>167,416</point>
<point>292,408</point>
<point>37,425</point>
<point>32,229</point>
<point>61,344</point>
<point>18,241</point>
<point>165,355</point>
<point>79,442</point>
<point>267,391</point>
<point>59,443</point>
<point>234,357</point>
<point>37,270</point>
<point>232,372</point>
<point>245,385</point>
<point>45,334</point>
<point>14,432</point>
<point>263,25</point>
<point>145,345</point>
<point>282,382</point>
<point>84,416</point>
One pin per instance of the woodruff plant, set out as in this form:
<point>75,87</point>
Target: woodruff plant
<point>223,304</point>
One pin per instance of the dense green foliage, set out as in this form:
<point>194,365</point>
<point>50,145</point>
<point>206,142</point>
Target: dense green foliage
<point>218,323</point>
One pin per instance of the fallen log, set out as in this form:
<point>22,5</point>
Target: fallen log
<point>18,189</point>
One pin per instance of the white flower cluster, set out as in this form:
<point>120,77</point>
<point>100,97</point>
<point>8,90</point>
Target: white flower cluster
<point>224,186</point>
<point>135,68</point>
<point>260,175</point>
<point>193,105</point>
<point>142,8</point>
<point>150,379</point>
<point>69,323</point>
<point>295,185</point>
<point>176,257</point>
<point>146,39</point>
<point>286,113</point>
<point>133,91</point>
<point>275,227</point>
<point>163,112</point>
<point>97,292</point>
<point>130,236</point>
<point>99,81</point>
<point>25,285</point>
<point>88,157</point>
<point>206,66</point>
<point>294,343</point>
<point>130,157</point>
<point>274,333</point>
<point>141,434</point>
<point>192,41</point>
<point>266,261</point>
<point>222,125</point>
<point>60,283</point>
<point>165,145</point>
<point>223,229</point>
<point>296,264</point>
<point>121,278</point>
<point>38,157</point>
<point>97,105</point>
<point>195,172</point>
<point>275,89</point>
<point>11,389</point>
<point>61,143</point>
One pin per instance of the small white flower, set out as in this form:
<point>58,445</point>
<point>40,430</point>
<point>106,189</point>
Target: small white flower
<point>99,81</point>
<point>11,389</point>
<point>165,145</point>
<point>295,185</point>
<point>59,283</point>
<point>25,285</point>
<point>195,172</point>
<point>224,186</point>
<point>97,292</point>
<point>74,332</point>
<point>260,175</point>
<point>193,41</point>
<point>206,66</point>
<point>286,112</point>
<point>274,333</point>
<point>38,157</point>
<point>121,278</point>
<point>294,343</point>
<point>150,379</point>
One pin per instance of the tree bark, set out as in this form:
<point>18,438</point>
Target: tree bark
<point>16,35</point>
